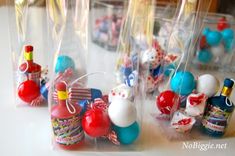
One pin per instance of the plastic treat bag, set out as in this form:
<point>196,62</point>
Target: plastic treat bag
<point>68,40</point>
<point>27,27</point>
<point>178,104</point>
<point>215,46</point>
<point>106,20</point>
<point>91,110</point>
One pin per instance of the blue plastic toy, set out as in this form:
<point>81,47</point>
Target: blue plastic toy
<point>183,82</point>
<point>127,135</point>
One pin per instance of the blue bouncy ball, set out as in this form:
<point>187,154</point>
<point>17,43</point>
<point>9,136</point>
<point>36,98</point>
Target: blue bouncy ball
<point>83,104</point>
<point>64,62</point>
<point>204,56</point>
<point>213,38</point>
<point>229,45</point>
<point>169,70</point>
<point>127,135</point>
<point>227,34</point>
<point>206,31</point>
<point>183,82</point>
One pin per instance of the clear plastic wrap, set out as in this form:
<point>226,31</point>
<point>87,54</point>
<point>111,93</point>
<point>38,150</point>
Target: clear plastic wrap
<point>93,97</point>
<point>28,47</point>
<point>181,101</point>
<point>215,46</point>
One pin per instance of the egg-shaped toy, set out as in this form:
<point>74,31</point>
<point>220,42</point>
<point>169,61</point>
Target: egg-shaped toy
<point>183,82</point>
<point>204,56</point>
<point>207,84</point>
<point>122,112</point>
<point>127,135</point>
<point>64,62</point>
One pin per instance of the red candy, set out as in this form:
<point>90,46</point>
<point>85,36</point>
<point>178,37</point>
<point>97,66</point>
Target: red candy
<point>28,91</point>
<point>222,24</point>
<point>96,123</point>
<point>166,100</point>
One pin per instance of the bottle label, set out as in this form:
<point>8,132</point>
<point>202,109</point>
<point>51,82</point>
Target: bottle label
<point>215,119</point>
<point>68,131</point>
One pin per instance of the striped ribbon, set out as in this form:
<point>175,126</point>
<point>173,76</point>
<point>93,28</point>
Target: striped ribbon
<point>75,94</point>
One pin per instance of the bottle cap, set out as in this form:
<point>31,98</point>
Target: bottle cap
<point>28,48</point>
<point>228,83</point>
<point>61,91</point>
<point>61,86</point>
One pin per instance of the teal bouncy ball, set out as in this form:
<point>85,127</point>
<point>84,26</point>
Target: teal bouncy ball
<point>229,45</point>
<point>206,31</point>
<point>227,34</point>
<point>213,38</point>
<point>169,70</point>
<point>64,62</point>
<point>204,56</point>
<point>127,135</point>
<point>183,82</point>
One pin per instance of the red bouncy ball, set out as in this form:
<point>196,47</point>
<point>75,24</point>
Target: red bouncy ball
<point>96,122</point>
<point>166,100</point>
<point>28,91</point>
<point>222,24</point>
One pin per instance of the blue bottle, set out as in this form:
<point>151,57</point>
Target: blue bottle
<point>218,111</point>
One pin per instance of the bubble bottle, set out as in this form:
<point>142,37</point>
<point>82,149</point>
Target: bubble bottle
<point>218,111</point>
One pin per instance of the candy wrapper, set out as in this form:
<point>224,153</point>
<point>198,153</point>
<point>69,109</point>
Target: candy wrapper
<point>28,48</point>
<point>195,104</point>
<point>182,123</point>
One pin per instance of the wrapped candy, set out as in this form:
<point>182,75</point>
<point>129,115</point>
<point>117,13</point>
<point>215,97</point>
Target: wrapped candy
<point>181,122</point>
<point>195,104</point>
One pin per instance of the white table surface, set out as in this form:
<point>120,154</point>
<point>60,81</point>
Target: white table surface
<point>26,131</point>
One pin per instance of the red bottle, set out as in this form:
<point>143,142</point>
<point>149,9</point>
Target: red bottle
<point>33,70</point>
<point>66,121</point>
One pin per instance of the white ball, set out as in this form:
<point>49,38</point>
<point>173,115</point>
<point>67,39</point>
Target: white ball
<point>207,84</point>
<point>217,51</point>
<point>122,112</point>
